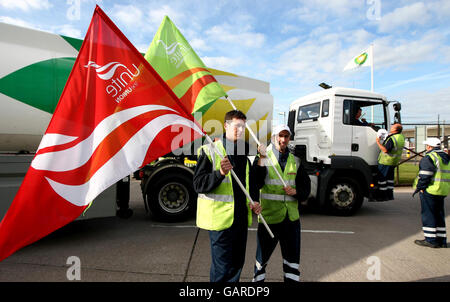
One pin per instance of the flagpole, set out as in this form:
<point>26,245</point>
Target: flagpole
<point>238,181</point>
<point>371,69</point>
<point>257,142</point>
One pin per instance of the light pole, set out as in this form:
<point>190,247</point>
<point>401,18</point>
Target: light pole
<point>284,116</point>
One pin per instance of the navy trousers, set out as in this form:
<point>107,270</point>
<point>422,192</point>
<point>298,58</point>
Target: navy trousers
<point>228,252</point>
<point>288,234</point>
<point>433,218</point>
<point>386,182</point>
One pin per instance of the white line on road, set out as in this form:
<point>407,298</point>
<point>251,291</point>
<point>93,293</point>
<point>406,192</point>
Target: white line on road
<point>254,229</point>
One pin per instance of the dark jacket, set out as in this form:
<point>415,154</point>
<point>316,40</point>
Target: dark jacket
<point>426,164</point>
<point>205,179</point>
<point>302,180</point>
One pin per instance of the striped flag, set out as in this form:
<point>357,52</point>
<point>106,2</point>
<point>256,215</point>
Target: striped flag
<point>115,115</point>
<point>182,69</point>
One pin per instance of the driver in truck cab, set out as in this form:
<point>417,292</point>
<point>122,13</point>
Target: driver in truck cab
<point>358,121</point>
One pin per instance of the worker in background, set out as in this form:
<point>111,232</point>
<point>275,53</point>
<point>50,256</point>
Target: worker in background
<point>280,204</point>
<point>363,121</point>
<point>222,207</point>
<point>433,183</point>
<point>390,155</point>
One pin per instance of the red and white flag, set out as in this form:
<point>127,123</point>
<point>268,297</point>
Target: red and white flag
<point>115,115</point>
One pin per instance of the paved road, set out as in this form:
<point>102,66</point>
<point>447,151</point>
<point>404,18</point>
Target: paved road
<point>377,243</point>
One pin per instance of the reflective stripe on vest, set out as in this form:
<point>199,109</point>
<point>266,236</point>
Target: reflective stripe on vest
<point>274,201</point>
<point>215,209</point>
<point>440,183</point>
<point>393,157</point>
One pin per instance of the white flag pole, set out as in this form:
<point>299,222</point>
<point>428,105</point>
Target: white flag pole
<point>371,65</point>
<point>238,181</point>
<point>258,143</point>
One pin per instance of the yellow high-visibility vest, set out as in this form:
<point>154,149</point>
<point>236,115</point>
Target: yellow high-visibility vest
<point>215,210</point>
<point>274,201</point>
<point>393,157</point>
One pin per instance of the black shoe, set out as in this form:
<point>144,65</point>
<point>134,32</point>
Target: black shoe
<point>443,245</point>
<point>426,243</point>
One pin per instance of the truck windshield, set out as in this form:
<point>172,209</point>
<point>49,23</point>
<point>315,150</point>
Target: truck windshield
<point>364,113</point>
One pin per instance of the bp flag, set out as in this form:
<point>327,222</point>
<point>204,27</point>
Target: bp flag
<point>362,59</point>
<point>184,72</point>
<point>115,115</point>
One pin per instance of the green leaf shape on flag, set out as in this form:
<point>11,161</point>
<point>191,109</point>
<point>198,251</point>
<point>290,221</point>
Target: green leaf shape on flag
<point>172,57</point>
<point>40,84</point>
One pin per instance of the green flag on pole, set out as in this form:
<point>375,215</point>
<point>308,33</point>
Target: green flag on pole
<point>178,64</point>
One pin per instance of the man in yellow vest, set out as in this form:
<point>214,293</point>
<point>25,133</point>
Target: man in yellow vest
<point>280,205</point>
<point>433,183</point>
<point>390,155</point>
<point>222,207</point>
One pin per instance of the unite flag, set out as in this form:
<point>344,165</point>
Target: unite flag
<point>182,69</point>
<point>114,116</point>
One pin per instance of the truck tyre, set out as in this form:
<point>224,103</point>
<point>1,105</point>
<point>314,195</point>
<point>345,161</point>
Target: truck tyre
<point>344,197</point>
<point>171,197</point>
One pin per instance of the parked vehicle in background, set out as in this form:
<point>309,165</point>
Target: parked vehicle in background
<point>339,152</point>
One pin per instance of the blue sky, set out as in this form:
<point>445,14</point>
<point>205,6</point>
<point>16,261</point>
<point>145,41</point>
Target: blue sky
<point>293,45</point>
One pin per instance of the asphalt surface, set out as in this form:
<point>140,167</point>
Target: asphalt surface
<point>374,245</point>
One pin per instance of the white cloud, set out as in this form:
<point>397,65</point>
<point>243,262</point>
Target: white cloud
<point>423,78</point>
<point>129,15</point>
<point>199,45</point>
<point>287,28</point>
<point>440,9</point>
<point>16,21</point>
<point>157,15</point>
<point>404,17</point>
<point>67,30</point>
<point>319,11</point>
<point>287,44</point>
<point>25,5</point>
<point>221,63</point>
<point>394,52</point>
<point>420,105</point>
<point>235,37</point>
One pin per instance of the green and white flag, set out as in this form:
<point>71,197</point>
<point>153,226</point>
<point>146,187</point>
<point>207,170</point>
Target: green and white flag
<point>362,59</point>
<point>178,64</point>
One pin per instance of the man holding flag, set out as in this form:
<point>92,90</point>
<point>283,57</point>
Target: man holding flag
<point>280,204</point>
<point>222,207</point>
<point>115,115</point>
<point>228,217</point>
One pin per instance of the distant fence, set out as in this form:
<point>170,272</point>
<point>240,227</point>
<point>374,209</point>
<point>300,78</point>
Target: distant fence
<point>415,134</point>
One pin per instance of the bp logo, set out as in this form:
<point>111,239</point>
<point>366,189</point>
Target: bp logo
<point>359,60</point>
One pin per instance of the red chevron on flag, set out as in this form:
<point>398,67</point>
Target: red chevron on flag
<point>115,115</point>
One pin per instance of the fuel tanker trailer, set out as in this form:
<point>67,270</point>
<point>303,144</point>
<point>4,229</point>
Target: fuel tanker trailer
<point>34,68</point>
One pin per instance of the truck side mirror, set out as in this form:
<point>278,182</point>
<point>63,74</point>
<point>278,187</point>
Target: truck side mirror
<point>397,118</point>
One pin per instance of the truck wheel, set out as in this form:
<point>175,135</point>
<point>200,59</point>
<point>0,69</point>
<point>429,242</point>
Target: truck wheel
<point>344,197</point>
<point>171,197</point>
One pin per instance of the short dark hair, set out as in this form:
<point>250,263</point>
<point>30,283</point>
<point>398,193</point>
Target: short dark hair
<point>234,114</point>
<point>399,127</point>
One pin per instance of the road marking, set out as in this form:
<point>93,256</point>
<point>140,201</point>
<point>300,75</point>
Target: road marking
<point>317,231</point>
<point>255,229</point>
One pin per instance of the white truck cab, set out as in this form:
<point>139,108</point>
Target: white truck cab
<point>334,134</point>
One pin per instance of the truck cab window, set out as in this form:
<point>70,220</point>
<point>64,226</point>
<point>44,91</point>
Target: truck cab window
<point>364,113</point>
<point>308,112</point>
<point>325,108</point>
